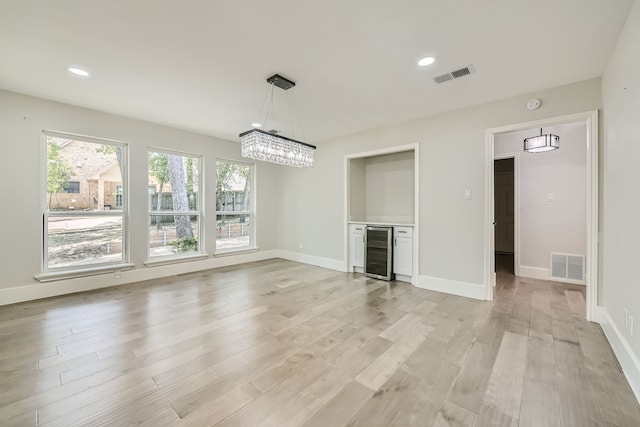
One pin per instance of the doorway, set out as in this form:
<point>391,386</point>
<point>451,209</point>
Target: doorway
<point>504,213</point>
<point>590,121</point>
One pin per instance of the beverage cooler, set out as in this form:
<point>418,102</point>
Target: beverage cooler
<point>378,253</point>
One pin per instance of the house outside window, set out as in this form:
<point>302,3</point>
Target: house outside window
<point>83,228</point>
<point>175,204</point>
<point>235,212</point>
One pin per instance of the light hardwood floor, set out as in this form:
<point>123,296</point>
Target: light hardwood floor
<point>277,343</point>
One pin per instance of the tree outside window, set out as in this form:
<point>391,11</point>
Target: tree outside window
<point>174,204</point>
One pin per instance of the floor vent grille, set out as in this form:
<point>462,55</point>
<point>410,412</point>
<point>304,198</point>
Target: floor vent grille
<point>567,267</point>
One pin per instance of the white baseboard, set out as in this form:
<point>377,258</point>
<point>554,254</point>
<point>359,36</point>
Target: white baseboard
<point>463,289</point>
<point>331,264</point>
<point>628,360</point>
<point>543,274</point>
<point>572,281</point>
<point>403,278</point>
<point>534,272</point>
<point>35,291</point>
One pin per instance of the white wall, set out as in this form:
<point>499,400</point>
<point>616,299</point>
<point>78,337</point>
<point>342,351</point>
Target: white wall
<point>22,119</point>
<point>311,209</point>
<point>357,195</point>
<point>620,166</point>
<point>389,187</point>
<point>560,225</point>
<point>451,232</point>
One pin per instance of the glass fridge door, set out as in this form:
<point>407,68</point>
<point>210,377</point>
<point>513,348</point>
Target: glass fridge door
<point>378,255</point>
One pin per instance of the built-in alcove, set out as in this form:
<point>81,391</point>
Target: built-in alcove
<point>382,188</point>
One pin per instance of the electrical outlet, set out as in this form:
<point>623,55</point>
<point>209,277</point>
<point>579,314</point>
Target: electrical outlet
<point>300,245</point>
<point>117,273</point>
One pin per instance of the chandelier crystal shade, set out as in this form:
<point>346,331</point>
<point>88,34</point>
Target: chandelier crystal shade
<point>271,147</point>
<point>540,143</point>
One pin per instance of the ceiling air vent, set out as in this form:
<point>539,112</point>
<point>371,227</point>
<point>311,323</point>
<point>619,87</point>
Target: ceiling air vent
<point>443,78</point>
<point>453,75</point>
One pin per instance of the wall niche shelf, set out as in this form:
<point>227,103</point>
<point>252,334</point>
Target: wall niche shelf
<point>382,189</point>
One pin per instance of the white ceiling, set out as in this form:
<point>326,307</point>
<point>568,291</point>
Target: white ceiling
<point>201,65</point>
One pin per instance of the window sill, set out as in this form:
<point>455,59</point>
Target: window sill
<point>85,272</point>
<point>236,252</point>
<point>175,260</point>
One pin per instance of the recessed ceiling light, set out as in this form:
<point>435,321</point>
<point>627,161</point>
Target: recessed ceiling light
<point>256,125</point>
<point>78,71</point>
<point>427,60</point>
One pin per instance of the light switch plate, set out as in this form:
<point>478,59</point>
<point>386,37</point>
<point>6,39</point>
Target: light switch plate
<point>467,194</point>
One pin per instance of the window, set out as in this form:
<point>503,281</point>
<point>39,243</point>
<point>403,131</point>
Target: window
<point>235,217</point>
<point>72,187</point>
<point>174,204</point>
<point>83,225</point>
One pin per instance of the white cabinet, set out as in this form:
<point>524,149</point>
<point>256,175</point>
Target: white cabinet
<point>356,247</point>
<point>403,253</point>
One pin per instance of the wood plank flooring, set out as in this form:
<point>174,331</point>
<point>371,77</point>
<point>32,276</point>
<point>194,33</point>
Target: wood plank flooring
<point>278,343</point>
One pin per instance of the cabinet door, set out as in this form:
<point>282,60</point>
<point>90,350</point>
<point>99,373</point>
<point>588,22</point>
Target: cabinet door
<point>357,250</point>
<point>403,256</point>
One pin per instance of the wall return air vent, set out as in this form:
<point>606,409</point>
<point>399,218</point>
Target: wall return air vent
<point>456,74</point>
<point>567,268</point>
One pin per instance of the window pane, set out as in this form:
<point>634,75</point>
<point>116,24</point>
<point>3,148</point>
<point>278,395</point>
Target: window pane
<point>233,187</point>
<point>234,206</point>
<point>72,187</point>
<point>233,231</point>
<point>171,235</point>
<point>83,175</point>
<point>174,181</point>
<point>83,240</point>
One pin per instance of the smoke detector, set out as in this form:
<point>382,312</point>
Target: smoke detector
<point>533,104</point>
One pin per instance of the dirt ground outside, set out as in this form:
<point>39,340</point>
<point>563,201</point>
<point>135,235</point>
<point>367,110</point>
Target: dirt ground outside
<point>89,240</point>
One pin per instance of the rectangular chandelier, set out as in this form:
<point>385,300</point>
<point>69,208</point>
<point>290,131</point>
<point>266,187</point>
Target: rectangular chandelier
<point>270,147</point>
<point>540,143</point>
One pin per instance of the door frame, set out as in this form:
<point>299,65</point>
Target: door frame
<point>516,212</point>
<point>590,118</point>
